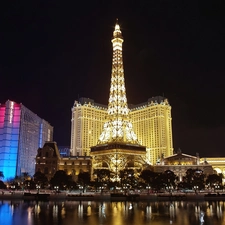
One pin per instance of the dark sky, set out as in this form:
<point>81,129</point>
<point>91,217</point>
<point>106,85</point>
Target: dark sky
<point>51,52</point>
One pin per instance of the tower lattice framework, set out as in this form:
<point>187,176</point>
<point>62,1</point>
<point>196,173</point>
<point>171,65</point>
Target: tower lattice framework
<point>117,127</point>
<point>118,147</point>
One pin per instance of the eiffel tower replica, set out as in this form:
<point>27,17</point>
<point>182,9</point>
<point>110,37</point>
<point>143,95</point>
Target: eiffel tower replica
<point>118,147</point>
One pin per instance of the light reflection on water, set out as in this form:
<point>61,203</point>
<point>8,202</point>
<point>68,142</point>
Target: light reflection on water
<point>112,213</point>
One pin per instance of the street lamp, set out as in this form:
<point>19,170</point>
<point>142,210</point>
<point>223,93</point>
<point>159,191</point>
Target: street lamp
<point>170,189</point>
<point>148,188</point>
<point>56,188</point>
<point>80,187</point>
<point>38,188</point>
<point>216,187</point>
<point>196,189</point>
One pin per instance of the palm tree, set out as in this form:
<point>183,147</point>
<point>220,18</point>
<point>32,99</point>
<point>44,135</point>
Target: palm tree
<point>102,177</point>
<point>149,178</point>
<point>61,181</point>
<point>214,180</point>
<point>40,179</point>
<point>127,178</point>
<point>84,179</point>
<point>195,179</point>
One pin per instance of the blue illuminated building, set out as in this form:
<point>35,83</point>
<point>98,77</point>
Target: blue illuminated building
<point>22,132</point>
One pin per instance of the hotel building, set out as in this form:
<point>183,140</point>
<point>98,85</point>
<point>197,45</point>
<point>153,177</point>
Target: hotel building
<point>86,125</point>
<point>152,122</point>
<point>22,132</point>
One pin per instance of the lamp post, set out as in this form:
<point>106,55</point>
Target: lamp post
<point>170,189</point>
<point>196,188</point>
<point>80,187</point>
<point>148,188</point>
<point>216,187</point>
<point>56,189</point>
<point>38,188</point>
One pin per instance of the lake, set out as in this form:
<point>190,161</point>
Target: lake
<point>112,213</point>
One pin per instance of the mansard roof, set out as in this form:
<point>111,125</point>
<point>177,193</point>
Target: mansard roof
<point>179,156</point>
<point>53,146</point>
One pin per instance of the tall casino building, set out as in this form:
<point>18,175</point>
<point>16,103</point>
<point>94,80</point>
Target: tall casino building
<point>22,132</point>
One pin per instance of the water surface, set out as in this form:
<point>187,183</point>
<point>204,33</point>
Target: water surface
<point>112,213</point>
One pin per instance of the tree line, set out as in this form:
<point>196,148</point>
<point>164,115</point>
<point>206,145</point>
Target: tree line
<point>125,180</point>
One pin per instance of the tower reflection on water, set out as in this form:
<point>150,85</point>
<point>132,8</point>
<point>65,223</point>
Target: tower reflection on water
<point>115,213</point>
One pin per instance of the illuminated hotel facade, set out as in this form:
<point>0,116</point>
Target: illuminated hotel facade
<point>22,132</point>
<point>87,121</point>
<point>150,122</point>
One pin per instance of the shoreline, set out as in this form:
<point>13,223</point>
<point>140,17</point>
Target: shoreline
<point>26,196</point>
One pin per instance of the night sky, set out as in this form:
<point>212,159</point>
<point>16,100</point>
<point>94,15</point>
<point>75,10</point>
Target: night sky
<point>52,52</point>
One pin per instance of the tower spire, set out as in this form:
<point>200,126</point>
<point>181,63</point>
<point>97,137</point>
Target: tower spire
<point>117,127</point>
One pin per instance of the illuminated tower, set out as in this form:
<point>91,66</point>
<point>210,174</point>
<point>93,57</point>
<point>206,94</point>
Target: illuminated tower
<point>118,127</point>
<point>118,147</point>
<point>149,122</point>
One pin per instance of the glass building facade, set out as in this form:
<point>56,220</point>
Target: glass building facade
<point>22,132</point>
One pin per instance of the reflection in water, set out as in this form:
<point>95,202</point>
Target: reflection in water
<point>201,217</point>
<point>148,211</point>
<point>112,213</point>
<point>89,210</point>
<point>172,213</point>
<point>80,210</point>
<point>55,210</point>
